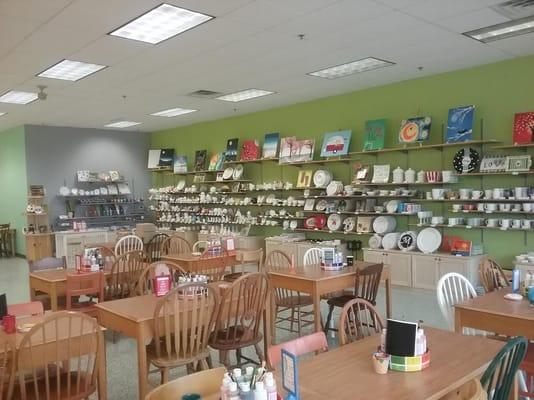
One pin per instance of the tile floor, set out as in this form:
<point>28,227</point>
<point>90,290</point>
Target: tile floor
<point>409,304</point>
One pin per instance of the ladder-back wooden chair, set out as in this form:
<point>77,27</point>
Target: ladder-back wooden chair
<point>243,258</point>
<point>146,280</point>
<point>124,276</point>
<point>358,319</point>
<point>491,275</point>
<point>7,368</point>
<point>175,245</point>
<point>128,243</point>
<point>154,247</point>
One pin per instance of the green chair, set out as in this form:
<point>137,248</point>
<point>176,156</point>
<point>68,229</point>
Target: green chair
<point>500,374</point>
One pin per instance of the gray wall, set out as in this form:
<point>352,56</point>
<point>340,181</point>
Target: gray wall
<point>54,154</point>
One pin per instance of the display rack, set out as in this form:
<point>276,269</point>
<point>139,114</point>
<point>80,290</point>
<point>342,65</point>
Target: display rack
<point>37,233</point>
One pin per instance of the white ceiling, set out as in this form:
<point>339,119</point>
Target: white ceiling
<point>250,44</point>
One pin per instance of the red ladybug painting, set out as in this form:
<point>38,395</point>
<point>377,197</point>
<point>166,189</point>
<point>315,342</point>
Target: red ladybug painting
<point>523,128</point>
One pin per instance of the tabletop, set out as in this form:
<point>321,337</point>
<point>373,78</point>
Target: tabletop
<point>60,274</point>
<point>347,372</point>
<point>188,257</point>
<point>316,273</point>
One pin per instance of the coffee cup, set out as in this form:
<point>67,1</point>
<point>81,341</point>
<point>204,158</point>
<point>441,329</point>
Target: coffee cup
<point>498,193</point>
<point>438,193</point>
<point>475,221</point>
<point>492,222</point>
<point>468,207</point>
<point>526,224</point>
<point>480,206</point>
<point>488,194</point>
<point>465,193</point>
<point>516,224</point>
<point>521,192</point>
<point>490,207</point>
<point>451,195</point>
<point>428,195</point>
<point>437,220</point>
<point>456,207</point>
<point>504,207</point>
<point>505,223</point>
<point>447,176</point>
<point>477,194</point>
<point>455,221</point>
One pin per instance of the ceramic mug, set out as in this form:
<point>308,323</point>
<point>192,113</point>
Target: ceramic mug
<point>477,194</point>
<point>504,207</point>
<point>527,207</point>
<point>498,193</point>
<point>521,192</point>
<point>446,176</point>
<point>505,223</point>
<point>492,222</point>
<point>488,194</point>
<point>516,223</point>
<point>455,221</point>
<point>437,220</point>
<point>428,195</point>
<point>456,207</point>
<point>490,207</point>
<point>526,224</point>
<point>480,207</point>
<point>468,207</point>
<point>465,193</point>
<point>438,193</point>
<point>475,221</point>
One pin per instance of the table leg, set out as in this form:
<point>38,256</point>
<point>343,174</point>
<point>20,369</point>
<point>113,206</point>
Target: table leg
<point>102,375</point>
<point>53,297</point>
<point>388,297</point>
<point>33,293</point>
<point>13,241</point>
<point>267,321</point>
<point>458,328</point>
<point>142,373</point>
<point>317,309</point>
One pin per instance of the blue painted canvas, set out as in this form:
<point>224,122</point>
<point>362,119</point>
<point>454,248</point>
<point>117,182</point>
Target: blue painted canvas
<point>460,124</point>
<point>336,143</point>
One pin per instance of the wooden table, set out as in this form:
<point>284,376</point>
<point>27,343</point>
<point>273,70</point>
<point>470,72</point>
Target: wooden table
<point>16,338</point>
<point>493,313</point>
<point>193,262</point>
<point>347,372</point>
<point>316,282</point>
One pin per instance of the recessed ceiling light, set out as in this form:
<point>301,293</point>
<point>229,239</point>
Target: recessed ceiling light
<point>161,23</point>
<point>71,70</point>
<point>173,112</point>
<point>502,31</point>
<point>17,97</point>
<point>122,124</point>
<point>338,71</point>
<point>244,95</point>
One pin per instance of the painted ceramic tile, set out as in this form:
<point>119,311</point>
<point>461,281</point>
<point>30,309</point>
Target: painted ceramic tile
<point>216,161</point>
<point>460,124</point>
<point>415,129</point>
<point>166,158</point>
<point>336,143</point>
<point>200,160</point>
<point>180,163</point>
<point>231,149</point>
<point>250,150</point>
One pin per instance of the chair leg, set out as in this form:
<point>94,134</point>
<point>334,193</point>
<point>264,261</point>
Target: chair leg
<point>190,368</point>
<point>238,356</point>
<point>223,358</point>
<point>164,375</point>
<point>259,352</point>
<point>299,322</point>
<point>328,318</point>
<point>204,364</point>
<point>292,319</point>
<point>209,362</point>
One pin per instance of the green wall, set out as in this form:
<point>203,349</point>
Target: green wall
<point>13,181</point>
<point>497,90</point>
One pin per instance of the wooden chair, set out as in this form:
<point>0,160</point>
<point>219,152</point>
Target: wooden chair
<point>48,263</point>
<point>286,300</point>
<point>70,360</point>
<point>107,253</point>
<point>128,243</point>
<point>183,322</point>
<point>244,258</point>
<point>175,245</point>
<point>200,246</point>
<point>313,256</point>
<point>204,383</point>
<point>499,377</point>
<point>453,288</point>
<point>358,319</point>
<point>491,275</point>
<point>366,286</point>
<point>124,276</point>
<point>302,345</point>
<point>85,284</point>
<point>239,317</point>
<point>146,279</point>
<point>472,390</point>
<point>214,266</point>
<point>26,309</point>
<point>154,247</point>
<point>7,370</point>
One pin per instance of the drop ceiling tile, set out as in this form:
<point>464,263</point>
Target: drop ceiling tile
<point>518,46</point>
<point>16,29</point>
<point>435,10</point>
<point>108,51</point>
<point>37,10</point>
<point>472,20</point>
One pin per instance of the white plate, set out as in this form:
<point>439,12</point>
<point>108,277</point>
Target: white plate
<point>321,178</point>
<point>227,173</point>
<point>389,241</point>
<point>407,241</point>
<point>334,222</point>
<point>64,191</point>
<point>513,296</point>
<point>180,185</point>
<point>321,205</point>
<point>349,224</point>
<point>429,240</point>
<point>334,188</point>
<point>392,206</point>
<point>238,171</point>
<point>375,242</point>
<point>293,224</point>
<point>384,224</point>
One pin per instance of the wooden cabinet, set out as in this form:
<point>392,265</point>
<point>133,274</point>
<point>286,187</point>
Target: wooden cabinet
<point>423,271</point>
<point>69,244</point>
<point>298,248</point>
<point>38,246</point>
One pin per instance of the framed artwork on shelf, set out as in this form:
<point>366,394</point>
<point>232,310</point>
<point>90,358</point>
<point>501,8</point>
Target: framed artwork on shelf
<point>37,190</point>
<point>180,164</point>
<point>304,179</point>
<point>523,128</point>
<point>220,176</point>
<point>270,145</point>
<point>309,204</point>
<point>199,178</point>
<point>231,149</point>
<point>460,124</point>
<point>293,150</point>
<point>200,160</point>
<point>416,129</point>
<point>381,173</point>
<point>493,164</point>
<point>375,134</point>
<point>286,149</point>
<point>153,158</point>
<point>518,163</point>
<point>250,150</point>
<point>360,173</point>
<point>336,143</point>
<point>216,162</point>
<point>166,158</point>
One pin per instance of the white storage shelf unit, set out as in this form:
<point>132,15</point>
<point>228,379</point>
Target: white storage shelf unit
<point>422,271</point>
<point>69,243</point>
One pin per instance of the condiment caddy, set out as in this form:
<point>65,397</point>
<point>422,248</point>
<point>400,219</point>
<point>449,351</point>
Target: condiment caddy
<point>250,384</point>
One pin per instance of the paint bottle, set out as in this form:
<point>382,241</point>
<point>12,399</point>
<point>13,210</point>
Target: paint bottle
<point>233,393</point>
<point>246,393</point>
<point>225,387</point>
<point>420,342</point>
<point>259,392</point>
<point>516,280</point>
<point>383,340</point>
<point>238,377</point>
<point>270,386</point>
<point>249,371</point>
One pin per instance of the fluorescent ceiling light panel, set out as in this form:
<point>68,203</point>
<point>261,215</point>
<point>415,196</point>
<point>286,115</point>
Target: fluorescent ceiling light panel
<point>122,124</point>
<point>16,97</point>
<point>2,113</point>
<point>161,23</point>
<point>173,112</point>
<point>69,70</point>
<point>502,31</point>
<point>363,65</point>
<point>244,95</point>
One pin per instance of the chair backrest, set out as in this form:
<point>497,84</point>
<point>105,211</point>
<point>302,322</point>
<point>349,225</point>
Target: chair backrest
<point>48,263</point>
<point>240,312</point>
<point>146,279</point>
<point>491,275</point>
<point>125,274</point>
<point>73,341</point>
<point>358,319</point>
<point>367,282</point>
<point>212,265</point>
<point>251,257</point>
<point>200,246</point>
<point>302,345</point>
<point>154,247</point>
<point>5,226</point>
<point>279,261</point>
<point>7,370</point>
<point>472,390</point>
<point>313,256</point>
<point>499,377</point>
<point>204,383</point>
<point>107,253</point>
<point>453,288</point>
<point>26,309</point>
<point>128,243</point>
<point>183,321</point>
<point>85,284</point>
<point>175,245</point>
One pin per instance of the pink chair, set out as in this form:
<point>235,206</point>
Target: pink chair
<point>26,309</point>
<point>302,345</point>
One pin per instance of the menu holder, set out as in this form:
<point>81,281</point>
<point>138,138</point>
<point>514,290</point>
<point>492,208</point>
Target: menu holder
<point>400,338</point>
<point>290,376</point>
<point>162,285</point>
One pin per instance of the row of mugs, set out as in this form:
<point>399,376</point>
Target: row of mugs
<point>518,193</point>
<point>503,223</point>
<point>493,207</point>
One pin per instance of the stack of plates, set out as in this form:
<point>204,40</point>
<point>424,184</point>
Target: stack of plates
<point>334,188</point>
<point>384,224</point>
<point>322,178</point>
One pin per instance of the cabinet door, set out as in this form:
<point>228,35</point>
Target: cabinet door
<point>96,237</point>
<point>73,248</point>
<point>449,264</point>
<point>400,267</point>
<point>374,256</point>
<point>424,271</point>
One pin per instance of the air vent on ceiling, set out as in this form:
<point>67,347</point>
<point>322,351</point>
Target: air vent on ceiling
<point>515,9</point>
<point>206,94</point>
